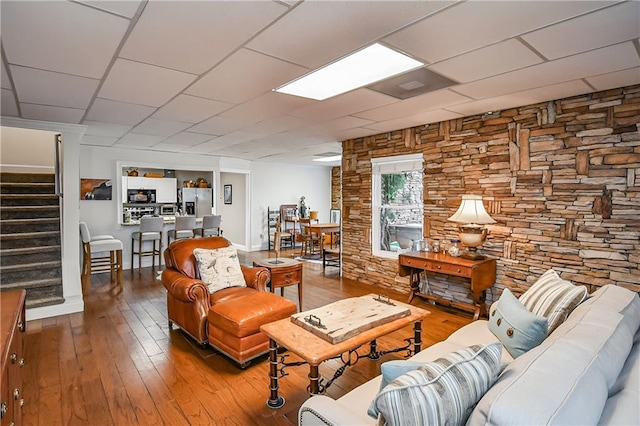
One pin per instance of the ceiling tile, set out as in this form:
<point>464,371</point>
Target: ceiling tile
<point>267,105</point>
<point>347,104</point>
<point>96,128</point>
<point>6,83</point>
<point>408,107</point>
<point>60,36</point>
<point>52,88</point>
<point>244,75</point>
<point>277,124</point>
<point>414,120</point>
<point>330,128</point>
<point>600,61</point>
<point>486,62</point>
<point>615,79</point>
<point>143,84</point>
<point>470,25</point>
<point>183,139</point>
<point>527,97</point>
<point>152,126</point>
<point>190,109</point>
<point>333,29</point>
<point>218,126</point>
<point>51,113</point>
<point>588,32</point>
<point>126,8</point>
<point>195,38</point>
<point>118,112</point>
<point>98,140</point>
<point>138,140</point>
<point>9,106</point>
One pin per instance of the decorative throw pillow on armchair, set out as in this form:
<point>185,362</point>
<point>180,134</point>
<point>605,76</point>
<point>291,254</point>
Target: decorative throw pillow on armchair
<point>219,268</point>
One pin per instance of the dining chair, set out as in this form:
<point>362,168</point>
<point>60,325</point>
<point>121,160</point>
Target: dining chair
<point>210,226</point>
<point>91,263</point>
<point>150,231</point>
<point>185,227</point>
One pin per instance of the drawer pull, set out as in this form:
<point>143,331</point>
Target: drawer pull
<point>3,409</point>
<point>22,402</point>
<point>21,326</point>
<point>21,363</point>
<point>14,358</point>
<point>439,266</point>
<point>458,270</point>
<point>16,394</point>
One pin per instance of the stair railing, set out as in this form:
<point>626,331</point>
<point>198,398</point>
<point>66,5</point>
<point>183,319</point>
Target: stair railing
<point>57,166</point>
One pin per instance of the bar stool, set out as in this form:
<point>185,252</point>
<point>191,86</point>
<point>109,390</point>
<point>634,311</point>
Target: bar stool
<point>150,230</point>
<point>210,226</point>
<point>90,263</point>
<point>185,228</point>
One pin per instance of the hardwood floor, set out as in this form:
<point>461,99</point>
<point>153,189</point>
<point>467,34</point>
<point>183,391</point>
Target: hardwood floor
<point>117,363</point>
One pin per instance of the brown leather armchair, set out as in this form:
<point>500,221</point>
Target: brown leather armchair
<point>229,319</point>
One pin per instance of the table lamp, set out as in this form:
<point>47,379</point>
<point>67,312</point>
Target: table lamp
<point>471,216</point>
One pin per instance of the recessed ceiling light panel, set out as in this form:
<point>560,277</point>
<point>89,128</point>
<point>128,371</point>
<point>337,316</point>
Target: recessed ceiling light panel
<point>363,67</point>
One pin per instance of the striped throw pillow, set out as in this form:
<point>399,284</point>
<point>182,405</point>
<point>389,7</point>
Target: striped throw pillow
<point>440,392</point>
<point>553,298</point>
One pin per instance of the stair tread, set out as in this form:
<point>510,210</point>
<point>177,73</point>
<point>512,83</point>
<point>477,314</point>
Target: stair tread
<point>33,283</point>
<point>16,235</point>
<point>29,196</point>
<point>35,220</point>
<point>49,207</point>
<point>28,250</point>
<point>31,266</point>
<point>45,301</point>
<point>27,184</point>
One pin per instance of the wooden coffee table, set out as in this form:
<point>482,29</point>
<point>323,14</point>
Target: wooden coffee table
<point>314,350</point>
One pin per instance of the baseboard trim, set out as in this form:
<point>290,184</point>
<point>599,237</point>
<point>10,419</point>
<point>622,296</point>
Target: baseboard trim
<point>71,305</point>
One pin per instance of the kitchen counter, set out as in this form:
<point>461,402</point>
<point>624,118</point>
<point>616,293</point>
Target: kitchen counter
<point>168,220</point>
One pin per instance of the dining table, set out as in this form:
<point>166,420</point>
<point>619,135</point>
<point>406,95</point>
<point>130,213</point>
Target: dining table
<point>323,228</point>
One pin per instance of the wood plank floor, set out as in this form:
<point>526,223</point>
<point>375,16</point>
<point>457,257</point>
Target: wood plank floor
<point>117,363</point>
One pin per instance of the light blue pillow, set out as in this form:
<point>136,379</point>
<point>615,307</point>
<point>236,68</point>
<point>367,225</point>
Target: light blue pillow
<point>515,326</point>
<point>390,371</point>
<point>440,392</point>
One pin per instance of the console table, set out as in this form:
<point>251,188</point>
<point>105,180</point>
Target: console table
<point>13,325</point>
<point>481,274</point>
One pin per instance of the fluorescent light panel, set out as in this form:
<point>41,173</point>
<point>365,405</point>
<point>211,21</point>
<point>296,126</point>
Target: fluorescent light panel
<point>366,66</point>
<point>334,158</point>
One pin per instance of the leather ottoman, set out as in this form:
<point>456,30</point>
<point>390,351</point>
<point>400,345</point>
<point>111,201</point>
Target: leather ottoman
<point>234,326</point>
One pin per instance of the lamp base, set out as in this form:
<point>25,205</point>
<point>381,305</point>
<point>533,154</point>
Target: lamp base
<point>473,255</point>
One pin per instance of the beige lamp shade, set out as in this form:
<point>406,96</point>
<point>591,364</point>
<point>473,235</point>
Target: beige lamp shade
<point>313,215</point>
<point>471,211</point>
<point>471,215</point>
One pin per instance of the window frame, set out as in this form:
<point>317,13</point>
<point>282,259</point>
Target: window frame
<point>387,165</point>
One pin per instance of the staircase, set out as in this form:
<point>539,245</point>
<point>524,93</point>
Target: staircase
<point>30,254</point>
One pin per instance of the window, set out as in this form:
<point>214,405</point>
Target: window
<point>396,203</point>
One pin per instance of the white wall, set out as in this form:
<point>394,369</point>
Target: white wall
<point>27,150</point>
<point>234,215</point>
<point>274,184</point>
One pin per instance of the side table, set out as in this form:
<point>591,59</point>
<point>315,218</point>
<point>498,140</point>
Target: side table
<point>283,274</point>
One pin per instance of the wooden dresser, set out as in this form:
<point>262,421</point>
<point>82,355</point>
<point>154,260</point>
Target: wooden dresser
<point>481,275</point>
<point>13,325</point>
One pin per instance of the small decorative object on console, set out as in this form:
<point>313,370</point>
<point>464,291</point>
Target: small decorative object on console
<point>454,250</point>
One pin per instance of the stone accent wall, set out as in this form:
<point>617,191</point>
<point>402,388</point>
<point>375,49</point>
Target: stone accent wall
<point>561,178</point>
<point>336,187</point>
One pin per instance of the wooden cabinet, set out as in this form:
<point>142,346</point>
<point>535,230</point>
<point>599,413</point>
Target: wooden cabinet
<point>166,188</point>
<point>13,325</point>
<point>481,275</point>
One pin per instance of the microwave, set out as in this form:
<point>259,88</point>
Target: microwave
<point>141,196</point>
<point>168,210</point>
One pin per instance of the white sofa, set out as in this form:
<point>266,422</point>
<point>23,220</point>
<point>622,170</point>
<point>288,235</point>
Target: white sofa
<point>587,371</point>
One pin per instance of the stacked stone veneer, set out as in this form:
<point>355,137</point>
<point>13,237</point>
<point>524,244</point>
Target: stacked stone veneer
<point>561,178</point>
<point>336,187</point>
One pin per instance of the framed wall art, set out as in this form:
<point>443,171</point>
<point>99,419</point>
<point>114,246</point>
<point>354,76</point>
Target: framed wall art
<point>95,189</point>
<point>228,194</point>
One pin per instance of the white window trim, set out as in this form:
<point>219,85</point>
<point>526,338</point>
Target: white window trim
<point>380,166</point>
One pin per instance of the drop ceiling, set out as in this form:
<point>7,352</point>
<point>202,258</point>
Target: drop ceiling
<point>197,77</point>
